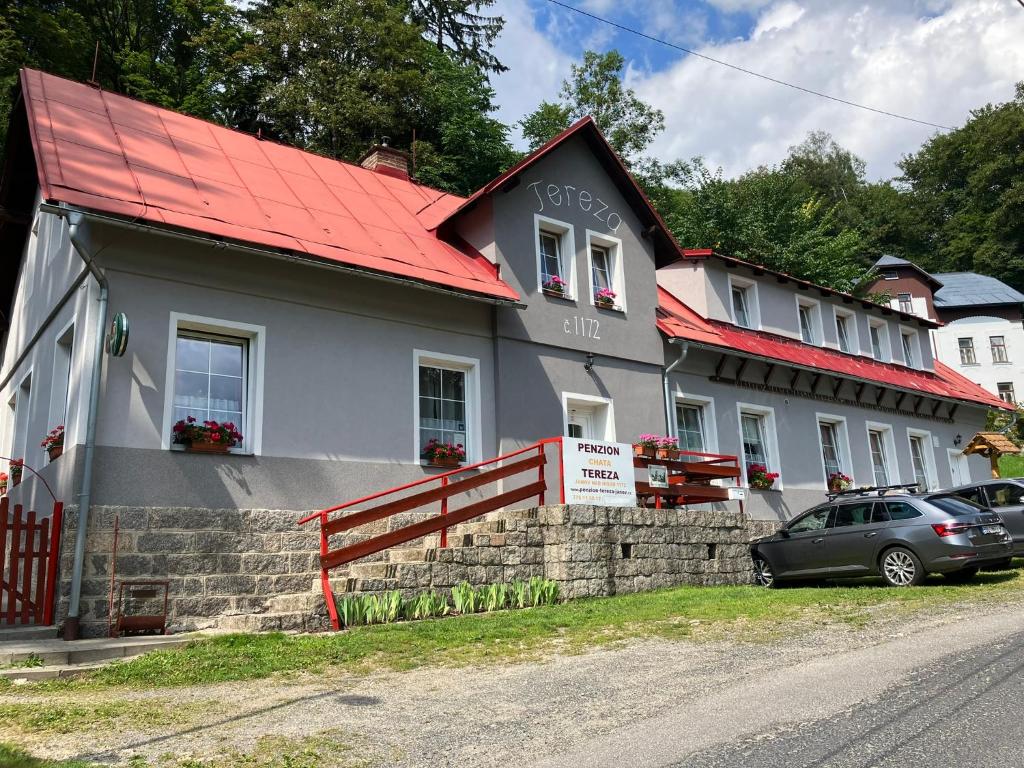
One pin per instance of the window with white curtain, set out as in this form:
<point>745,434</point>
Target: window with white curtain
<point>692,435</point>
<point>210,373</point>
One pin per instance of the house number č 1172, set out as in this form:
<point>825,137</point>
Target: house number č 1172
<point>582,326</point>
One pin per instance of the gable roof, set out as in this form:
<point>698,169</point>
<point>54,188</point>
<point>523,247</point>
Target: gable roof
<point>677,320</point>
<point>666,247</point>
<point>895,261</point>
<point>111,154</point>
<point>969,289</point>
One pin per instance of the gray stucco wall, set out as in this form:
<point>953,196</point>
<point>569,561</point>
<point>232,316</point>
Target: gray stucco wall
<point>777,304</point>
<point>795,442</point>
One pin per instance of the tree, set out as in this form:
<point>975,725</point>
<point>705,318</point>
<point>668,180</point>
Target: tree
<point>967,185</point>
<point>595,88</point>
<point>459,27</point>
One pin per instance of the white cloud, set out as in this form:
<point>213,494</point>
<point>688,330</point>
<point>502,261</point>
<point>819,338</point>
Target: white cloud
<point>537,66</point>
<point>934,68</point>
<point>931,59</point>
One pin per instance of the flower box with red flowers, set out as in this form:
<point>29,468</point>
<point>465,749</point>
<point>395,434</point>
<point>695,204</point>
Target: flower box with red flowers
<point>838,482</point>
<point>604,298</point>
<point>760,478</point>
<point>54,442</point>
<point>3,483</point>
<point>555,286</point>
<point>438,454</point>
<point>16,466</point>
<point>206,437</point>
<point>646,445</point>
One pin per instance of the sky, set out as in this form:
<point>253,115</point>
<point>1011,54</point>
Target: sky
<point>933,60</point>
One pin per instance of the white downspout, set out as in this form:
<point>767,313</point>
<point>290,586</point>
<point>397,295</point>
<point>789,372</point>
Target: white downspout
<point>71,628</point>
<point>684,349</point>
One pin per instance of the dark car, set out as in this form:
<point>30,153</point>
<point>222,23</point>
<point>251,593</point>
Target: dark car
<point>899,536</point>
<point>1004,497</point>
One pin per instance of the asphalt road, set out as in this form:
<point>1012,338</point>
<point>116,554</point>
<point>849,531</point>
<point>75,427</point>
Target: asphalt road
<point>966,710</point>
<point>943,696</point>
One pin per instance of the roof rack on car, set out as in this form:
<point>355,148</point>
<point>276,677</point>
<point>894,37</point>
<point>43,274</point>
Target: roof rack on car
<point>879,490</point>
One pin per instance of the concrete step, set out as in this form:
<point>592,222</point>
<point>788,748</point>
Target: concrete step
<point>297,603</point>
<point>59,652</point>
<point>275,622</point>
<point>343,587</point>
<point>408,554</point>
<point>372,571</point>
<point>21,634</point>
<point>50,672</point>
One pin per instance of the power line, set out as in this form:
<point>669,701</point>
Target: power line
<point>745,71</point>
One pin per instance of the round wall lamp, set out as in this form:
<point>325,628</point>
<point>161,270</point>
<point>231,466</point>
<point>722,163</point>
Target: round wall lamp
<point>589,365</point>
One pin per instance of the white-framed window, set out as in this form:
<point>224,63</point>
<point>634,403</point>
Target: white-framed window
<point>758,439</point>
<point>215,371</point>
<point>879,334</point>
<point>1006,393</point>
<point>967,356</point>
<point>882,452</point>
<point>808,312</point>
<point>744,303</point>
<point>556,253</point>
<point>998,345</point>
<point>905,303</point>
<point>922,459</point>
<point>446,402</point>
<point>911,347</point>
<point>604,262</point>
<point>890,276</point>
<point>60,383</point>
<point>695,424</point>
<point>21,407</point>
<point>834,442</point>
<point>846,332</point>
<point>588,417</point>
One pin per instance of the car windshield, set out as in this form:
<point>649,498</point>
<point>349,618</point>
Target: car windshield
<point>955,505</point>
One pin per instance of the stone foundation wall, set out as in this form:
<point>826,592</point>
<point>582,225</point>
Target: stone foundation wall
<point>250,570</point>
<point>227,568</point>
<point>597,551</point>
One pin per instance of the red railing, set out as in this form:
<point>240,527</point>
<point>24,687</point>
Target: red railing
<point>690,477</point>
<point>447,487</point>
<point>29,551</point>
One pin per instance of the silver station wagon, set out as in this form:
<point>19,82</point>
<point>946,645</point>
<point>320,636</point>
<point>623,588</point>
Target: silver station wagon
<point>888,532</point>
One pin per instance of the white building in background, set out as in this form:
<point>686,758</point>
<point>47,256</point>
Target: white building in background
<point>982,336</point>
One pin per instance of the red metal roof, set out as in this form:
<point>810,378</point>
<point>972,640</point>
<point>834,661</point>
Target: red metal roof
<point>109,153</point>
<point>676,320</point>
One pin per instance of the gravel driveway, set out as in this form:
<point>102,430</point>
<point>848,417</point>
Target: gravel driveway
<point>647,703</point>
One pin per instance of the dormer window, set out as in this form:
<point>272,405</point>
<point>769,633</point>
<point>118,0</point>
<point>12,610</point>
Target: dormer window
<point>846,332</point>
<point>879,342</point>
<point>743,302</point>
<point>906,303</point>
<point>739,306</point>
<point>809,318</point>
<point>910,355</point>
<point>890,275</point>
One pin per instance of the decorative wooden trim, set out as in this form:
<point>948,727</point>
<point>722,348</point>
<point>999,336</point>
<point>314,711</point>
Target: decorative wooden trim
<point>768,373</point>
<point>720,366</point>
<point>742,367</point>
<point>790,392</point>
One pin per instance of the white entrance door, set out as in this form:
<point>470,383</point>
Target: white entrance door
<point>581,423</point>
<point>959,468</point>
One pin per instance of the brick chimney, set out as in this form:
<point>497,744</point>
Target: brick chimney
<point>387,160</point>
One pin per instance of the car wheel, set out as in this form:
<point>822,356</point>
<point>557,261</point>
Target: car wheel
<point>764,576</point>
<point>901,568</point>
<point>961,576</point>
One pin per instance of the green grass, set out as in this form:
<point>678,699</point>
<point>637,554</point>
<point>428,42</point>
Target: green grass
<point>1011,466</point>
<point>13,757</point>
<point>73,717</point>
<point>744,613</point>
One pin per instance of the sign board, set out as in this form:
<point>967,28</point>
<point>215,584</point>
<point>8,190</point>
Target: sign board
<point>657,475</point>
<point>117,339</point>
<point>598,473</point>
<point>737,494</point>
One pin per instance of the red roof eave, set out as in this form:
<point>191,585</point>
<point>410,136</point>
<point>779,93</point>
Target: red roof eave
<point>676,320</point>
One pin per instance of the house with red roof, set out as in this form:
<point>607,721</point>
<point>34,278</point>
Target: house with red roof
<point>341,316</point>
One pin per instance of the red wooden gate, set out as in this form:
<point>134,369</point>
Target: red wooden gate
<point>29,550</point>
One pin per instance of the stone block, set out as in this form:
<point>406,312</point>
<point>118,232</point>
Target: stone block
<point>166,542</point>
<point>229,585</point>
<point>256,563</point>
